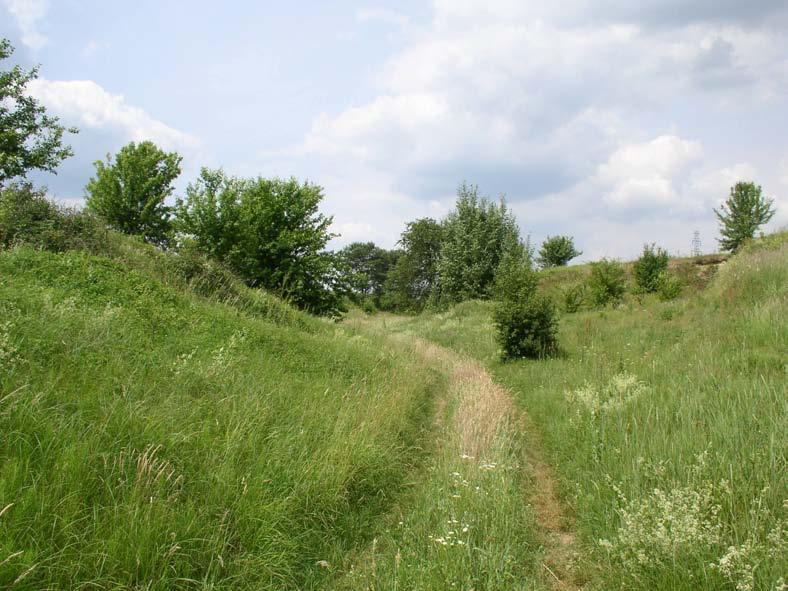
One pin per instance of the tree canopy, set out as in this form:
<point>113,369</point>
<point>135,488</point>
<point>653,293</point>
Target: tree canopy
<point>129,190</point>
<point>29,138</point>
<point>745,210</point>
<point>269,231</point>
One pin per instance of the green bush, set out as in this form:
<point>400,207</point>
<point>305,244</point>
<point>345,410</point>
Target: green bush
<point>514,278</point>
<point>607,283</point>
<point>574,296</point>
<point>527,327</point>
<point>668,286</point>
<point>28,217</point>
<point>557,251</point>
<point>648,268</point>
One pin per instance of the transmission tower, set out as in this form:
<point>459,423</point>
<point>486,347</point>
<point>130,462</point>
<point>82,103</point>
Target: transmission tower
<point>696,244</point>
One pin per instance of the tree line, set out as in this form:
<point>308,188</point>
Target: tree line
<point>271,233</point>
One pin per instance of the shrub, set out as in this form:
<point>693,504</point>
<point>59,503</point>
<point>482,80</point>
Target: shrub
<point>28,217</point>
<point>557,251</point>
<point>574,296</point>
<point>648,268</point>
<point>668,286</point>
<point>514,278</point>
<point>606,282</point>
<point>527,327</point>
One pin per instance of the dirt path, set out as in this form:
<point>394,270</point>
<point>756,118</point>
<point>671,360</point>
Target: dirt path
<point>487,407</point>
<point>482,411</point>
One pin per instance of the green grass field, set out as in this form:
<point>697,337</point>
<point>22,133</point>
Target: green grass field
<point>154,439</point>
<point>164,427</point>
<point>666,422</point>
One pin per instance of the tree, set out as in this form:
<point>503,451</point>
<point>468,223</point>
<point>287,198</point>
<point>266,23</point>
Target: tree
<point>649,267</point>
<point>269,231</point>
<point>411,280</point>
<point>129,192</point>
<point>478,235</point>
<point>367,266</point>
<point>745,210</point>
<point>557,251</point>
<point>29,138</point>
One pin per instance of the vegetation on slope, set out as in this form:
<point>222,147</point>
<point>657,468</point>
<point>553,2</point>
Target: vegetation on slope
<point>666,422</point>
<point>153,438</point>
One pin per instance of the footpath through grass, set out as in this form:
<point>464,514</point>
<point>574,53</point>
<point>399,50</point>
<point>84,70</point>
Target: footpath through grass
<point>465,524</point>
<point>666,423</point>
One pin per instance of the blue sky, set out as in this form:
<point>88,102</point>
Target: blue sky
<point>616,122</point>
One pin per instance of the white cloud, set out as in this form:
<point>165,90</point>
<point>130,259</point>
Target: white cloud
<point>27,14</point>
<point>579,119</point>
<point>645,175</point>
<point>383,15</point>
<point>84,103</point>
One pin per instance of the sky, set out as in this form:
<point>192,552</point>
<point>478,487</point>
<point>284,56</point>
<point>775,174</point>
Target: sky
<point>616,122</point>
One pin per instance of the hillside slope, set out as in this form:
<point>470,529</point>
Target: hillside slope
<point>154,438</point>
<point>666,423</point>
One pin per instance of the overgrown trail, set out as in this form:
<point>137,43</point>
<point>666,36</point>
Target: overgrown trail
<point>488,500</point>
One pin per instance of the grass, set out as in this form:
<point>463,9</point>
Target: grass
<point>465,524</point>
<point>666,423</point>
<point>155,438</point>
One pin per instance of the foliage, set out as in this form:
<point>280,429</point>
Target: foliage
<point>668,286</point>
<point>478,234</point>
<point>671,445</point>
<point>557,251</point>
<point>410,282</point>
<point>175,439</point>
<point>607,282</point>
<point>129,191</point>
<point>526,321</point>
<point>269,231</point>
<point>648,268</point>
<point>515,278</point>
<point>745,210</point>
<point>527,327</point>
<point>28,217</point>
<point>574,296</point>
<point>29,138</point>
<point>366,268</point>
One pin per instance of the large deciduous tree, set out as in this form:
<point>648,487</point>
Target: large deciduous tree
<point>477,235</point>
<point>269,231</point>
<point>29,138</point>
<point>367,267</point>
<point>129,191</point>
<point>411,281</point>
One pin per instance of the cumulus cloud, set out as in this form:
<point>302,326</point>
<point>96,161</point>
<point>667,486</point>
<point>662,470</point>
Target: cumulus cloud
<point>576,111</point>
<point>86,104</point>
<point>27,14</point>
<point>383,15</point>
<point>645,175</point>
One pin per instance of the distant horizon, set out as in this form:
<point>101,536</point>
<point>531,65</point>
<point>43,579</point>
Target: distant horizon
<point>616,124</point>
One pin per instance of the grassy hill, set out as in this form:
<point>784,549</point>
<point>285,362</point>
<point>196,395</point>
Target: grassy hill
<point>666,422</point>
<point>164,427</point>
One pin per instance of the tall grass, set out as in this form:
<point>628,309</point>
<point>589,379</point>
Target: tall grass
<point>151,438</point>
<point>667,424</point>
<point>465,524</point>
